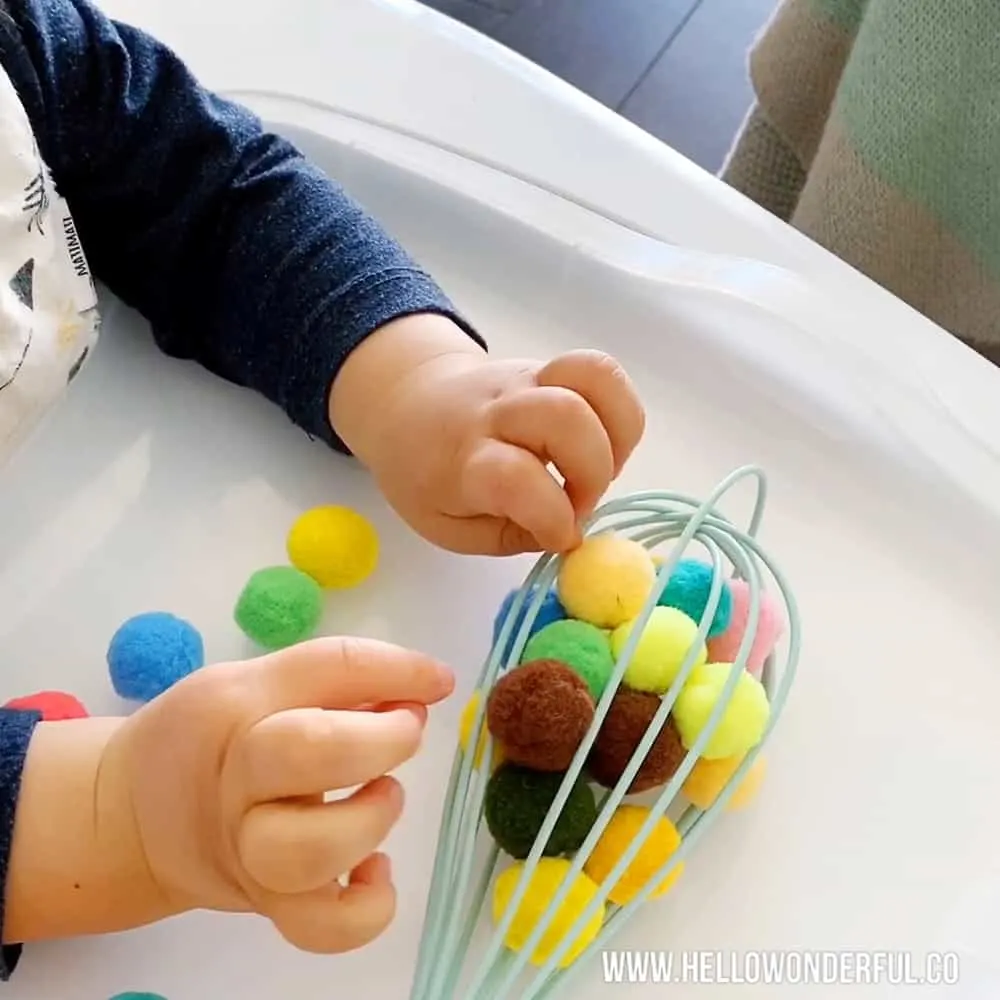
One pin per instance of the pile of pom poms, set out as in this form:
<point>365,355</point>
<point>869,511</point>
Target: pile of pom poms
<point>541,707</point>
<point>329,548</point>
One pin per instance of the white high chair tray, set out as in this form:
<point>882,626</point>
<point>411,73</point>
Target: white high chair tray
<point>157,486</point>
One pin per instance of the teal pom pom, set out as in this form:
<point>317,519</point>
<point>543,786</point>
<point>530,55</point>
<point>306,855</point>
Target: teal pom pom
<point>517,800</point>
<point>688,589</point>
<point>279,606</point>
<point>581,646</point>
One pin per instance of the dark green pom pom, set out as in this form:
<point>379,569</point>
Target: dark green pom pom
<point>518,800</point>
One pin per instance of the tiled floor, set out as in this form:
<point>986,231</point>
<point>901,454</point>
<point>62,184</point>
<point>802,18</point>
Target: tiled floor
<point>677,68</point>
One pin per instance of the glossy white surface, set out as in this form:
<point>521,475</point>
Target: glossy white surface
<point>157,486</point>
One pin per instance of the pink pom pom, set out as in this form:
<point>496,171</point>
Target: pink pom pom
<point>725,648</point>
<point>55,706</point>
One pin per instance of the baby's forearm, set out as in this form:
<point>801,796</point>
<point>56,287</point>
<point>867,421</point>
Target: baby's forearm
<point>76,865</point>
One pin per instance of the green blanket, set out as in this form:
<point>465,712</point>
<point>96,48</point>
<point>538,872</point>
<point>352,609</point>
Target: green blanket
<point>876,131</point>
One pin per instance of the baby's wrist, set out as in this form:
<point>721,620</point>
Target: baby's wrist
<point>77,863</point>
<point>371,389</point>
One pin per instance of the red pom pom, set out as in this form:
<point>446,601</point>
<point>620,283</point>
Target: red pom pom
<point>55,706</point>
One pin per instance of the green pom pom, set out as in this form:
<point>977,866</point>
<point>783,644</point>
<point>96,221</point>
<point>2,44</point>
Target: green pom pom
<point>579,645</point>
<point>279,607</point>
<point>517,801</point>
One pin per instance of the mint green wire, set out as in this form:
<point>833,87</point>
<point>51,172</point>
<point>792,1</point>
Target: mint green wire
<point>453,911</point>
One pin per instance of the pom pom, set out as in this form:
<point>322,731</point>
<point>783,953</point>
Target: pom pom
<point>550,611</point>
<point>540,713</point>
<point>579,645</point>
<point>708,777</point>
<point>53,706</point>
<point>465,724</point>
<point>518,800</point>
<point>743,720</point>
<point>606,581</point>
<point>335,546</point>
<point>279,607</point>
<point>724,648</point>
<point>659,654</point>
<point>151,652</point>
<point>688,590</point>
<point>546,880</point>
<point>629,716</point>
<point>657,847</point>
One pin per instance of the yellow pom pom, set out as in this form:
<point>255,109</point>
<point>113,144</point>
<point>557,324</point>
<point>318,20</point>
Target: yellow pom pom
<point>709,777</point>
<point>659,844</point>
<point>543,885</point>
<point>665,641</point>
<point>336,546</point>
<point>742,722</point>
<point>606,581</point>
<point>466,722</point>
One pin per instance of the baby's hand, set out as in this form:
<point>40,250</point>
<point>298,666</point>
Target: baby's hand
<point>462,446</point>
<point>226,773</point>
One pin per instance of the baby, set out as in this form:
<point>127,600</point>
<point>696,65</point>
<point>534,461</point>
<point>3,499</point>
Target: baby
<point>245,258</point>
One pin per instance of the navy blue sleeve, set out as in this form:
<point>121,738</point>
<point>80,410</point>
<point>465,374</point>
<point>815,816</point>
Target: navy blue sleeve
<point>240,254</point>
<point>16,728</point>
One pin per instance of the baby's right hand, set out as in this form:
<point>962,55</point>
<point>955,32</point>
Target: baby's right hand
<point>226,772</point>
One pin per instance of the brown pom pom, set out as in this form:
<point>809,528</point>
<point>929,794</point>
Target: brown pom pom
<point>539,713</point>
<point>628,718</point>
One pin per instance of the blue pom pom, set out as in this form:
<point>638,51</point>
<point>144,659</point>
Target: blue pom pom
<point>550,611</point>
<point>151,652</point>
<point>688,590</point>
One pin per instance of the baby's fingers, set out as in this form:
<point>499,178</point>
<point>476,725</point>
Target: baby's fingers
<point>603,383</point>
<point>336,918</point>
<point>347,672</point>
<point>306,752</point>
<point>559,427</point>
<point>508,483</point>
<point>293,848</point>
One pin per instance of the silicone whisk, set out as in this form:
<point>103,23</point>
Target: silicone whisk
<point>459,958</point>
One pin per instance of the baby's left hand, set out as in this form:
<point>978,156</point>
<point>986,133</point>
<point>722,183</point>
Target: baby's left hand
<point>467,460</point>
